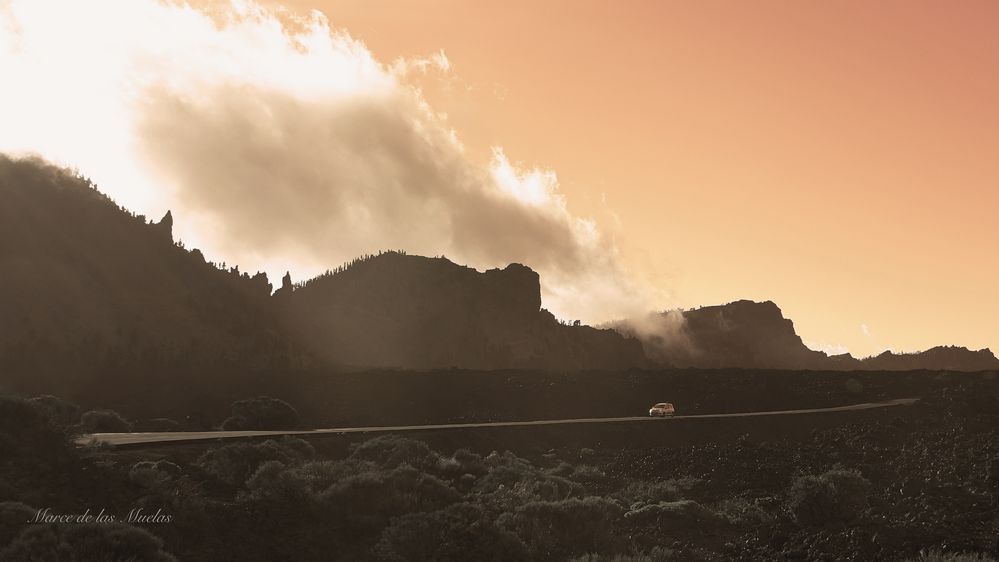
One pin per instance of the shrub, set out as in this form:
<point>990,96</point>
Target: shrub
<point>657,554</point>
<point>459,532</point>
<point>677,514</point>
<point>583,473</point>
<point>372,498</point>
<point>512,481</point>
<point>27,433</point>
<point>13,517</point>
<point>835,497</point>
<point>563,529</point>
<point>645,492</point>
<point>742,511</point>
<point>261,413</point>
<point>463,463</point>
<point>277,481</point>
<point>937,556</point>
<point>588,474</point>
<point>273,483</point>
<point>104,421</point>
<point>390,451</point>
<point>234,463</point>
<point>150,474</point>
<point>87,541</point>
<point>320,475</point>
<point>61,413</point>
<point>359,492</point>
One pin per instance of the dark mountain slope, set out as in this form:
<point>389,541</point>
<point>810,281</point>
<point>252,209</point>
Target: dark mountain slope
<point>85,285</point>
<point>747,334</point>
<point>400,311</point>
<point>741,334</point>
<point>89,288</point>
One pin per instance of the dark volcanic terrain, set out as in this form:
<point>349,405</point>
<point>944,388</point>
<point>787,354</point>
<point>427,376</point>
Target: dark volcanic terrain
<point>872,485</point>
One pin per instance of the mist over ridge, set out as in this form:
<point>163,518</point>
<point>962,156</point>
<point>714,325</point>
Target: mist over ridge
<point>281,142</point>
<point>98,287</point>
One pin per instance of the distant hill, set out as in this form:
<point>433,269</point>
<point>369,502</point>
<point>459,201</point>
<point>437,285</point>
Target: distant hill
<point>399,311</point>
<point>86,285</point>
<point>747,334</point>
<point>941,358</point>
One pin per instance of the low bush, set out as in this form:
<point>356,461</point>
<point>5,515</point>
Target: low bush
<point>741,511</point>
<point>14,516</point>
<point>371,499</point>
<point>937,556</point>
<point>356,492</point>
<point>511,477</point>
<point>86,541</point>
<point>236,462</point>
<point>835,497</point>
<point>104,421</point>
<point>150,474</point>
<point>275,485</point>
<point>391,451</point>
<point>657,554</point>
<point>583,473</point>
<point>686,514</point>
<point>562,529</point>
<point>646,492</point>
<point>459,532</point>
<point>26,431</point>
<point>61,413</point>
<point>463,463</point>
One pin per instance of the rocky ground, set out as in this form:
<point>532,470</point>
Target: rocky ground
<point>888,484</point>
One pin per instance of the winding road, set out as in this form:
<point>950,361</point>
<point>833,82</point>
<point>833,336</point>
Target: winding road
<point>116,439</point>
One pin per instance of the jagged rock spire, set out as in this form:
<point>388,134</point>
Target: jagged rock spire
<point>166,225</point>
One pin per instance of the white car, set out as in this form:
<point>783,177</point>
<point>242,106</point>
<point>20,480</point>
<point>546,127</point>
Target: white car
<point>662,410</point>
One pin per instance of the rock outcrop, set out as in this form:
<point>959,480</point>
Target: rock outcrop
<point>753,335</point>
<point>741,334</point>
<point>941,358</point>
<point>400,311</point>
<point>88,287</point>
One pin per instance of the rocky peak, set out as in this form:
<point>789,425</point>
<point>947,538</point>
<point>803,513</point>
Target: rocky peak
<point>165,226</point>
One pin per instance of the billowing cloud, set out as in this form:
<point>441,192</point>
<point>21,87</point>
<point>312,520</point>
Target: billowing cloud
<point>663,335</point>
<point>281,142</point>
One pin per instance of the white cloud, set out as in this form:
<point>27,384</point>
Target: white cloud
<point>284,149</point>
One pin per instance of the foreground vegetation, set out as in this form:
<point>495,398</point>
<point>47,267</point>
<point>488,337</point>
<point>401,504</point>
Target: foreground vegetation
<point>922,485</point>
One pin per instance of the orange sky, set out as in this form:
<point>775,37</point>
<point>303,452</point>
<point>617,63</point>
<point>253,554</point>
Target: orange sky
<point>841,159</point>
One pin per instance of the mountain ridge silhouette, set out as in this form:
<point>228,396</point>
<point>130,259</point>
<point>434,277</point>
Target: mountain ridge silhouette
<point>748,334</point>
<point>88,285</point>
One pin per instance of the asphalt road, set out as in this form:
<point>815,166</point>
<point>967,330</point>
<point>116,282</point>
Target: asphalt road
<point>186,436</point>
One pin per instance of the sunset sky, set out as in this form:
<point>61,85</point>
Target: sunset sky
<point>838,158</point>
<point>841,159</point>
